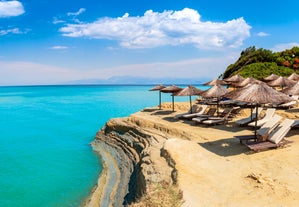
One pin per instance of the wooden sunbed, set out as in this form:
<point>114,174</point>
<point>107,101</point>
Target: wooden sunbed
<point>275,139</point>
<point>205,116</point>
<point>218,120</point>
<point>295,124</point>
<point>196,113</point>
<point>195,108</point>
<point>250,118</point>
<point>264,145</point>
<point>263,132</point>
<point>268,115</point>
<point>202,117</point>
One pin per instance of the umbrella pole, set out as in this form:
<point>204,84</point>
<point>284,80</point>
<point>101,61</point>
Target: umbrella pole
<point>160,100</point>
<point>217,107</point>
<point>190,104</point>
<point>255,125</point>
<point>172,102</point>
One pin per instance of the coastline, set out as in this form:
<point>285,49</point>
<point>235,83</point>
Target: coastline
<point>160,147</point>
<point>108,178</point>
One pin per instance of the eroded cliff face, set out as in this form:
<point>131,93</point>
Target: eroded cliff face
<point>131,151</point>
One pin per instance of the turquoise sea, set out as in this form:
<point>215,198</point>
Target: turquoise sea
<point>45,131</point>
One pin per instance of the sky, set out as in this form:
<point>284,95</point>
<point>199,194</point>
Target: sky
<point>57,42</point>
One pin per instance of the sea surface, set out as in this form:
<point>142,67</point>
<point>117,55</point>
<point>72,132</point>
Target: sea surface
<point>45,131</point>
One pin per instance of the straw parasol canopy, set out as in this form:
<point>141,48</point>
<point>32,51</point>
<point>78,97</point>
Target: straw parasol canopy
<point>217,91</point>
<point>271,77</point>
<point>234,79</point>
<point>158,88</point>
<point>281,82</point>
<point>293,90</point>
<point>294,77</point>
<point>245,82</point>
<point>215,82</point>
<point>189,91</point>
<point>171,89</point>
<point>258,93</point>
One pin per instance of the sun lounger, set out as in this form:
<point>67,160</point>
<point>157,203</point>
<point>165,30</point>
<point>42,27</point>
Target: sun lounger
<point>261,146</point>
<point>269,114</point>
<point>287,105</point>
<point>275,139</point>
<point>235,112</point>
<point>295,124</point>
<point>250,118</point>
<point>195,114</point>
<point>263,132</point>
<point>218,120</point>
<point>194,109</point>
<point>205,116</point>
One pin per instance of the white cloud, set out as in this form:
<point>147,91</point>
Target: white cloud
<point>155,29</point>
<point>59,47</point>
<point>11,8</point>
<point>10,31</point>
<point>24,73</point>
<point>57,21</point>
<point>284,46</point>
<point>81,10</point>
<point>262,34</point>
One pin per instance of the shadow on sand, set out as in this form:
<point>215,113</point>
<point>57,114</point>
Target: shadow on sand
<point>151,109</point>
<point>294,110</point>
<point>225,147</point>
<point>162,112</point>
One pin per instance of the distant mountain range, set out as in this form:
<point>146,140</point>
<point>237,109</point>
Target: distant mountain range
<point>131,80</point>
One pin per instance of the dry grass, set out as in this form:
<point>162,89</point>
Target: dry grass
<point>161,195</point>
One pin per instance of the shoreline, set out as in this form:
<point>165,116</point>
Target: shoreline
<point>108,179</point>
<point>161,147</point>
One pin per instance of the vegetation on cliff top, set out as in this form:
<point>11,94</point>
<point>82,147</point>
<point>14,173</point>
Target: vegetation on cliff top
<point>259,63</point>
<point>161,195</point>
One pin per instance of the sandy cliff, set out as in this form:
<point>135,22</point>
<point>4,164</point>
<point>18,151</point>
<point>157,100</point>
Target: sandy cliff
<point>210,166</point>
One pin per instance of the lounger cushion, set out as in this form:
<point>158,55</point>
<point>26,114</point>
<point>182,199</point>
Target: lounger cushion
<point>279,133</point>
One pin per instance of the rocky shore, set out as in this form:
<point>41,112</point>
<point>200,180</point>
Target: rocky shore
<point>207,163</point>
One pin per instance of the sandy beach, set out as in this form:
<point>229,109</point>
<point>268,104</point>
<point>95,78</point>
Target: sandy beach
<point>213,168</point>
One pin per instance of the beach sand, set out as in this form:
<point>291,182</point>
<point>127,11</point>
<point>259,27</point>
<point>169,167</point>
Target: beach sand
<point>214,169</point>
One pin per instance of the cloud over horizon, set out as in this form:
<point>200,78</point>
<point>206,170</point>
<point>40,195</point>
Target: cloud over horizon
<point>11,9</point>
<point>155,29</point>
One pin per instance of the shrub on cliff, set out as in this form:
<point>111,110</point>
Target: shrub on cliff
<point>161,194</point>
<point>259,63</point>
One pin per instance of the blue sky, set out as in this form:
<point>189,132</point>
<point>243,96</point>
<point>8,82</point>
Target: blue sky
<point>53,42</point>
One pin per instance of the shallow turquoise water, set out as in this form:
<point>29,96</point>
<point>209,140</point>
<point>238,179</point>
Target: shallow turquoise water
<point>45,131</point>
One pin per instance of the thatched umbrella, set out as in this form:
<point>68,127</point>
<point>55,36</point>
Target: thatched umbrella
<point>217,91</point>
<point>234,79</point>
<point>158,88</point>
<point>293,90</point>
<point>282,82</point>
<point>294,77</point>
<point>271,77</point>
<point>245,82</point>
<point>189,91</point>
<point>215,82</point>
<point>258,93</point>
<point>171,89</point>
